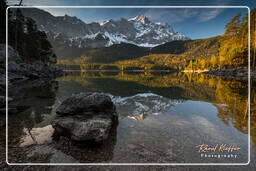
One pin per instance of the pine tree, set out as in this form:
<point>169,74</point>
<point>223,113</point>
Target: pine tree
<point>24,36</point>
<point>234,46</point>
<point>233,26</point>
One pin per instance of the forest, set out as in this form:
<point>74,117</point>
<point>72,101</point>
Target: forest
<point>233,50</point>
<point>24,36</point>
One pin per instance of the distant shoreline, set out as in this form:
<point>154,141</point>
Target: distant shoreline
<point>121,70</point>
<point>197,71</point>
<point>233,73</point>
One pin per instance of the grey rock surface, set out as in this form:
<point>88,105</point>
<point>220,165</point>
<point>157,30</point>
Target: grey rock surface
<point>12,54</point>
<point>85,117</point>
<point>20,71</point>
<point>90,129</point>
<point>86,104</point>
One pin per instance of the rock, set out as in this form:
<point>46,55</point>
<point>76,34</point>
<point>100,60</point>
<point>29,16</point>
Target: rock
<point>3,100</point>
<point>86,104</point>
<point>13,67</point>
<point>12,54</point>
<point>53,155</point>
<point>2,122</point>
<point>11,110</point>
<point>33,71</point>
<point>90,129</point>
<point>19,71</point>
<point>2,87</point>
<point>15,78</point>
<point>85,117</point>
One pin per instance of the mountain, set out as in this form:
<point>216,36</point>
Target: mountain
<point>67,32</point>
<point>190,49</point>
<point>176,53</point>
<point>116,52</point>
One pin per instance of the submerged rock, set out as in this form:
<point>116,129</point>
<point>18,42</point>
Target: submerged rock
<point>85,117</point>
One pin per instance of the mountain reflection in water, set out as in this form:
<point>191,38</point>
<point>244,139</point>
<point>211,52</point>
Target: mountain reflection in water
<point>162,116</point>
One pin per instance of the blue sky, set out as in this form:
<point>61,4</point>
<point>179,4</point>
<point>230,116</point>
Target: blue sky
<point>195,23</point>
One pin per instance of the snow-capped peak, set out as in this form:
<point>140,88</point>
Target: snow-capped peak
<point>104,22</point>
<point>140,18</point>
<point>138,30</point>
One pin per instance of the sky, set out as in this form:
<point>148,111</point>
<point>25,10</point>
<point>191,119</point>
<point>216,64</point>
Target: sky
<point>193,22</point>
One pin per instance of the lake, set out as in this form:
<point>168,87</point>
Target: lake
<point>163,118</point>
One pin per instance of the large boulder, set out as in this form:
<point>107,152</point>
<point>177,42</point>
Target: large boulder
<point>86,104</point>
<point>85,117</point>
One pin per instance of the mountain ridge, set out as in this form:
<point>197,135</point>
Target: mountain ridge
<point>71,32</point>
<point>171,52</point>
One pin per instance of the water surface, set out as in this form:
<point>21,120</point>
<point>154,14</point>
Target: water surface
<point>162,118</point>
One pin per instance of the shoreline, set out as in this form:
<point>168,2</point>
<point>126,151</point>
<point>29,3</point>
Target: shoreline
<point>22,75</point>
<point>233,73</point>
<point>195,71</point>
<point>224,73</point>
<point>120,70</point>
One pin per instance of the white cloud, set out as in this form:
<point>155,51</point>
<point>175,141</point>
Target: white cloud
<point>210,14</point>
<point>178,15</point>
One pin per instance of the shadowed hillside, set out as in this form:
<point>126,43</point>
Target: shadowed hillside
<point>202,48</point>
<point>116,52</point>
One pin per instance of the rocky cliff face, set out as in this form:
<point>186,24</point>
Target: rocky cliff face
<point>71,32</point>
<point>19,71</point>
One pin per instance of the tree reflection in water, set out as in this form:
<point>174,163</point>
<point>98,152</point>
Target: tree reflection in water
<point>229,97</point>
